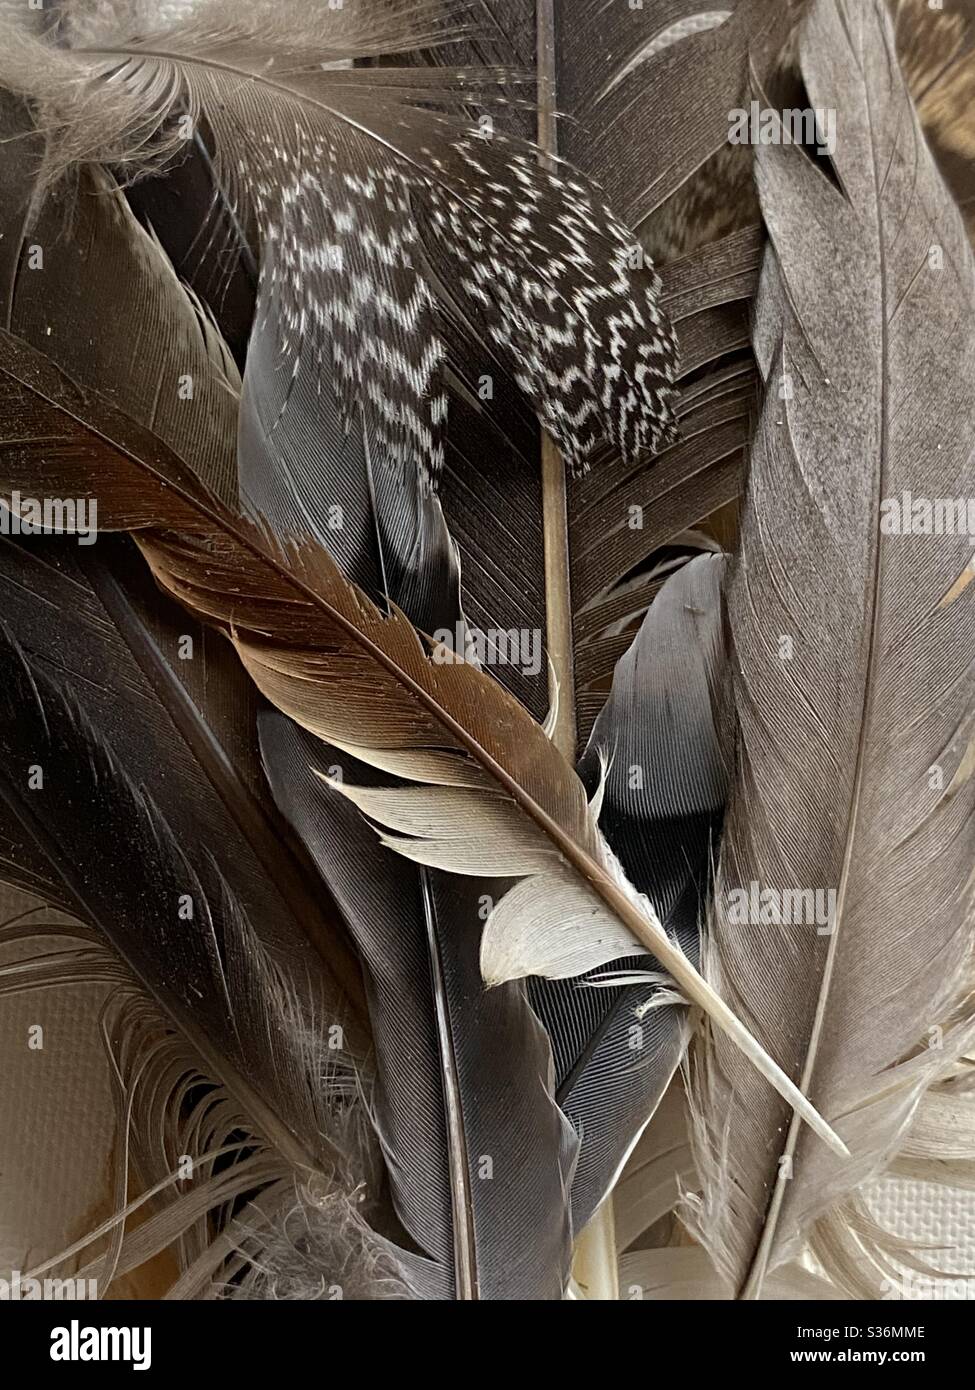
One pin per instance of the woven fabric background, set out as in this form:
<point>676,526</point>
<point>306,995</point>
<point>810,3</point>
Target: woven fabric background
<point>939,1219</point>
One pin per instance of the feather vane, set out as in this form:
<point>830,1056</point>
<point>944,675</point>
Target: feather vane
<point>867,346</point>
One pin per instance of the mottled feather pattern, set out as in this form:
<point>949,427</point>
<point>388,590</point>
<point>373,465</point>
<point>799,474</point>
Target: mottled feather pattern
<point>587,336</point>
<point>343,177</point>
<point>556,281</point>
<point>341,252</point>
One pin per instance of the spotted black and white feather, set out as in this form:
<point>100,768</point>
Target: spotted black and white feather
<point>585,333</point>
<point>368,195</point>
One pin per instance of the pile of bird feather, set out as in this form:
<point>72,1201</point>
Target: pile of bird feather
<point>493,804</point>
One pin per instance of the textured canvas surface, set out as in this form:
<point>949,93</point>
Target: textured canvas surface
<point>942,1219</point>
<point>55,1157</point>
